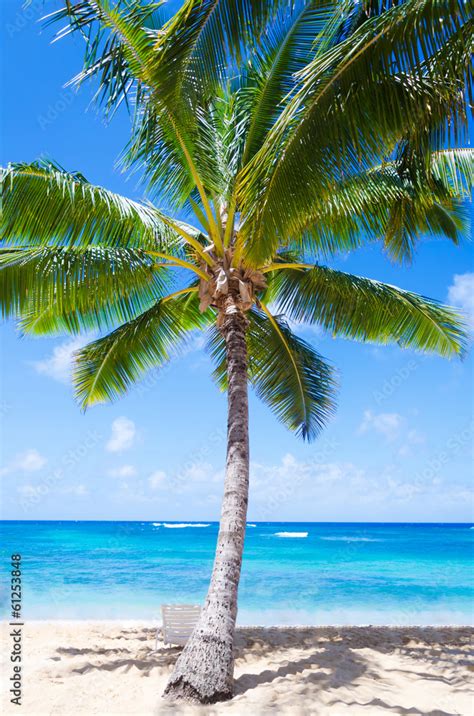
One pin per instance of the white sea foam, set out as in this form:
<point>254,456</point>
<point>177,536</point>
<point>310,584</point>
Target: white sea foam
<point>291,534</point>
<point>350,539</point>
<point>156,524</point>
<point>249,524</point>
<point>184,524</point>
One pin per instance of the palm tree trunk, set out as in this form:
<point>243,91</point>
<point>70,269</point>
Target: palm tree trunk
<point>204,670</point>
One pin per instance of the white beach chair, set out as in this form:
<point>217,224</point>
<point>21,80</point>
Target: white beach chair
<point>179,621</point>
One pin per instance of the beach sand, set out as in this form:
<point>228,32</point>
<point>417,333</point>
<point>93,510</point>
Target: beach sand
<point>109,668</point>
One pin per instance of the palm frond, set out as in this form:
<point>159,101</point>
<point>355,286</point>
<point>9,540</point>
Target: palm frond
<point>195,46</point>
<point>54,289</point>
<point>454,168</point>
<point>219,143</point>
<point>123,51</point>
<point>43,204</point>
<point>366,310</point>
<point>157,150</point>
<point>356,101</point>
<point>118,39</point>
<point>216,139</point>
<point>287,373</point>
<point>384,204</point>
<point>285,49</point>
<point>106,368</point>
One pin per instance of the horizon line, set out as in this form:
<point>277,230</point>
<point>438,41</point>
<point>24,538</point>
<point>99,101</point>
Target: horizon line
<point>261,522</point>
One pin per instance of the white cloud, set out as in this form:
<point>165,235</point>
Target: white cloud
<point>296,475</point>
<point>123,435</point>
<point>123,471</point>
<point>193,480</point>
<point>294,485</point>
<point>461,294</point>
<point>29,461</point>
<point>59,364</point>
<point>386,424</point>
<point>76,490</point>
<point>198,472</point>
<point>196,343</point>
<point>156,479</point>
<point>27,491</point>
<point>414,437</point>
<point>404,490</point>
<point>186,478</point>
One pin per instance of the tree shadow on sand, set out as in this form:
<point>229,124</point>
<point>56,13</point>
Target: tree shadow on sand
<point>396,709</point>
<point>337,662</point>
<point>145,658</point>
<point>321,667</point>
<point>329,658</point>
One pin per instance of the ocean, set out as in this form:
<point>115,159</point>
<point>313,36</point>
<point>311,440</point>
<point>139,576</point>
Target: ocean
<point>293,573</point>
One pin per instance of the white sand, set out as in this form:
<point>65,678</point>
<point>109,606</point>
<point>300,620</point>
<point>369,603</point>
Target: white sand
<point>109,668</point>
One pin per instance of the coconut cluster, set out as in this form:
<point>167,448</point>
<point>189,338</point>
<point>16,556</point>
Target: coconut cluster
<point>226,280</point>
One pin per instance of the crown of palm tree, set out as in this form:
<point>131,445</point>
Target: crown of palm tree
<point>289,135</point>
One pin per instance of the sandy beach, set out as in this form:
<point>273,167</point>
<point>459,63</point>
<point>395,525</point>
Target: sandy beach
<point>80,667</point>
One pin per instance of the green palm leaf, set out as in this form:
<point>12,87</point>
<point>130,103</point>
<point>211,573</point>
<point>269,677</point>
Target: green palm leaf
<point>56,288</point>
<point>106,368</point>
<point>118,41</point>
<point>196,44</point>
<point>366,310</point>
<point>215,142</point>
<point>285,49</point>
<point>356,101</point>
<point>43,204</point>
<point>123,52</point>
<point>134,55</point>
<point>454,168</point>
<point>384,204</point>
<point>287,373</point>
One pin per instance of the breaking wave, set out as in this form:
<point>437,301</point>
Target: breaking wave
<point>350,539</point>
<point>181,525</point>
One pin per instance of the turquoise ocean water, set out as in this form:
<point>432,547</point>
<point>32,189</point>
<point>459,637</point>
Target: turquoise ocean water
<point>337,573</point>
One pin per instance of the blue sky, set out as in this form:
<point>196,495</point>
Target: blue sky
<point>399,449</point>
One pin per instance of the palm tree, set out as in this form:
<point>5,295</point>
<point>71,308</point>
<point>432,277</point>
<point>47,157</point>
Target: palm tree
<point>289,135</point>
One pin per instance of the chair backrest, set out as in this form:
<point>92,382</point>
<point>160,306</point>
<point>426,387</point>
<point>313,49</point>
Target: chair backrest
<point>179,621</point>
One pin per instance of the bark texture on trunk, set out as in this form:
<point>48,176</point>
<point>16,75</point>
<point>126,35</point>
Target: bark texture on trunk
<point>204,671</point>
